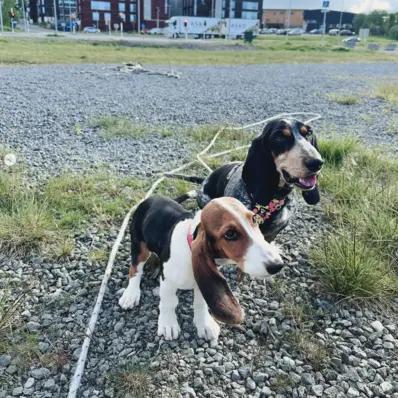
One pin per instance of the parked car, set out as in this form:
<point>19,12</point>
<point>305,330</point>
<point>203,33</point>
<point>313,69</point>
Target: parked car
<point>281,32</point>
<point>295,32</point>
<point>91,29</point>
<point>156,31</point>
<point>352,39</point>
<point>333,32</point>
<point>315,32</point>
<point>345,32</point>
<point>60,26</point>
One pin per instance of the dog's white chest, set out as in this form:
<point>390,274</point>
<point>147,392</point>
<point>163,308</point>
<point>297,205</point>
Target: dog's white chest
<point>178,268</point>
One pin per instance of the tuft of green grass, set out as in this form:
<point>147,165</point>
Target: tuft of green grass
<point>41,219</point>
<point>133,381</point>
<point>360,258</point>
<point>111,127</point>
<point>310,349</point>
<point>349,268</point>
<point>388,92</point>
<point>27,227</point>
<point>334,150</point>
<point>344,99</point>
<point>9,310</point>
<point>77,198</point>
<point>392,126</point>
<point>98,255</point>
<point>282,383</point>
<point>78,129</point>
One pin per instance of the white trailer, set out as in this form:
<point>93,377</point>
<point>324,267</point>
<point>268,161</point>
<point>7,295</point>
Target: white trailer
<point>190,26</point>
<point>210,27</point>
<point>236,27</point>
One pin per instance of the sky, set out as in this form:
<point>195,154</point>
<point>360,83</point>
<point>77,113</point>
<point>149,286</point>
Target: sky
<point>347,5</point>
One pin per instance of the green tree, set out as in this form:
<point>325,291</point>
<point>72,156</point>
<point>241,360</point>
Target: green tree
<point>393,33</point>
<point>360,21</point>
<point>9,5</point>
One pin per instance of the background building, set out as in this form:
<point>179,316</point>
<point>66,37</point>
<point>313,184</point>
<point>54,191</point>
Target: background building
<point>279,18</point>
<point>246,9</point>
<point>306,19</point>
<point>102,13</point>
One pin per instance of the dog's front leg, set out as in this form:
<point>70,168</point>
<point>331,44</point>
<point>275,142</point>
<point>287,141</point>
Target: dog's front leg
<point>167,324</point>
<point>206,325</point>
<point>131,296</point>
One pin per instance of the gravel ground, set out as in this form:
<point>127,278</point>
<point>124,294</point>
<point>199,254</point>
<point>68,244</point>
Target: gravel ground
<point>42,105</point>
<point>344,351</point>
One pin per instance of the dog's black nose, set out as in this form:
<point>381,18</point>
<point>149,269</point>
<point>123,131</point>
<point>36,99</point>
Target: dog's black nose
<point>314,165</point>
<point>274,268</point>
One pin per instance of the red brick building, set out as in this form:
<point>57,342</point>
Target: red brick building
<point>102,13</point>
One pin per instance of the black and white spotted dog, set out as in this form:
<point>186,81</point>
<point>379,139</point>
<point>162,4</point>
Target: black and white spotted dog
<point>283,156</point>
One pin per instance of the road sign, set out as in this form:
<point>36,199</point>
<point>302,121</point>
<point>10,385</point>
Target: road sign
<point>325,4</point>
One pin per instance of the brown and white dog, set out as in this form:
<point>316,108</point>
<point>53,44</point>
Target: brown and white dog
<point>191,248</point>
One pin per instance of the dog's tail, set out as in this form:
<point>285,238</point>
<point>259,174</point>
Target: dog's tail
<point>186,196</point>
<point>194,179</point>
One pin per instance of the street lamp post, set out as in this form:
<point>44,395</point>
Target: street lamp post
<point>1,16</point>
<point>157,16</point>
<point>55,16</point>
<point>341,16</point>
<point>24,15</point>
<point>138,16</point>
<point>289,11</point>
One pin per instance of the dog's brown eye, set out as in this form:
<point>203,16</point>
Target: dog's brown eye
<point>286,133</point>
<point>231,234</point>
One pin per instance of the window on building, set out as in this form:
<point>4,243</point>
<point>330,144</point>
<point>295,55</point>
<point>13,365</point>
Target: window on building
<point>132,18</point>
<point>250,5</point>
<point>95,16</point>
<point>122,7</point>
<point>133,7</point>
<point>101,5</point>
<point>249,15</point>
<point>107,17</point>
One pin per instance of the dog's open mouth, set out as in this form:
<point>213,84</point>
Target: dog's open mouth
<point>305,183</point>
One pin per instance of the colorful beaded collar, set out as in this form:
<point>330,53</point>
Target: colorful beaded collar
<point>264,213</point>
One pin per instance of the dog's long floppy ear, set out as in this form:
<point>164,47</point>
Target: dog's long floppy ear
<point>312,197</point>
<point>259,171</point>
<point>212,284</point>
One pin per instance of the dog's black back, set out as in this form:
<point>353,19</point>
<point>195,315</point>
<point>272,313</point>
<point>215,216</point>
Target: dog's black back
<point>153,223</point>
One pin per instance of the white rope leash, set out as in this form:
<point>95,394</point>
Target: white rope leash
<point>77,376</point>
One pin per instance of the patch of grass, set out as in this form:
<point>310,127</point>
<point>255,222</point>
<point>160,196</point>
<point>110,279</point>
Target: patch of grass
<point>133,381</point>
<point>334,150</point>
<point>78,129</point>
<point>310,349</point>
<point>392,125</point>
<point>111,127</point>
<point>359,259</point>
<point>265,50</point>
<point>98,255</point>
<point>282,383</point>
<point>348,267</point>
<point>41,220</point>
<point>344,99</point>
<point>26,223</point>
<point>77,198</point>
<point>9,309</point>
<point>388,92</point>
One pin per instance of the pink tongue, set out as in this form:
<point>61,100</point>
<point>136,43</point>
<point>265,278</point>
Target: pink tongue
<point>308,182</point>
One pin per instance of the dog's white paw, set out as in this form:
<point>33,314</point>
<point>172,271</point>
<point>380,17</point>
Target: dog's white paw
<point>130,297</point>
<point>208,328</point>
<point>168,327</point>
